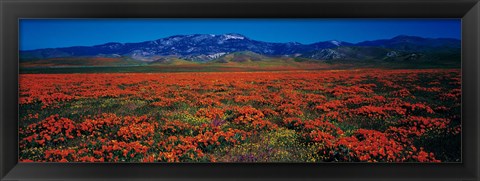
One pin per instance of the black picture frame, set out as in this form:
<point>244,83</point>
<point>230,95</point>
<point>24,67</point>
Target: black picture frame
<point>12,10</point>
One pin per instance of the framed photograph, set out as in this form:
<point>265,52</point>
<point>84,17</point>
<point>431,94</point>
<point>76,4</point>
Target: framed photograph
<point>239,90</point>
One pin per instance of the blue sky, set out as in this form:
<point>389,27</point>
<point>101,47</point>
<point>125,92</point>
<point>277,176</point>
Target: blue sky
<point>52,33</point>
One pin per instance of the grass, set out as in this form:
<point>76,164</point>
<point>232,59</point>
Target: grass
<point>235,67</point>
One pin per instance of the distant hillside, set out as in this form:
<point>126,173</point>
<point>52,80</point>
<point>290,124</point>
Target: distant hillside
<point>245,56</point>
<point>225,48</point>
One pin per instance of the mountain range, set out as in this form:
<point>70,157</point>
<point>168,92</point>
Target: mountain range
<point>236,47</point>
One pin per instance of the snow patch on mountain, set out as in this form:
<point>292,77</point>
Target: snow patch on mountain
<point>335,42</point>
<point>236,37</point>
<point>216,55</point>
<point>190,49</point>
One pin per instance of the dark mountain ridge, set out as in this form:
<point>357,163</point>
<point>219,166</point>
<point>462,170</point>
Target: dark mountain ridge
<point>209,47</point>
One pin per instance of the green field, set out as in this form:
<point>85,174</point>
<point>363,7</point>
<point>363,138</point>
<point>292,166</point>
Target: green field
<point>219,67</point>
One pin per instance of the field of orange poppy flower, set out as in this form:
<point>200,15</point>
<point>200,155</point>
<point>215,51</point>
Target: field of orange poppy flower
<point>364,115</point>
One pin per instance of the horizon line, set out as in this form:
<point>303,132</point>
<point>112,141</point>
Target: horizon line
<point>399,35</point>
